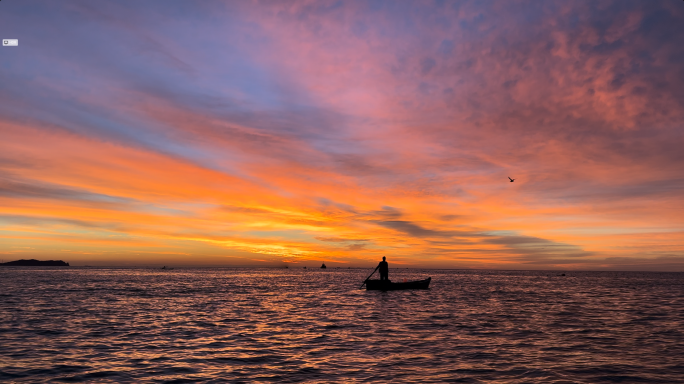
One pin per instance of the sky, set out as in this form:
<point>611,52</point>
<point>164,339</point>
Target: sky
<point>273,133</point>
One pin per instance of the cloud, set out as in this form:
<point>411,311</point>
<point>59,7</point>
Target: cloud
<point>43,221</point>
<point>338,239</point>
<point>534,250</point>
<point>356,247</point>
<point>352,128</point>
<point>38,190</point>
<point>413,229</point>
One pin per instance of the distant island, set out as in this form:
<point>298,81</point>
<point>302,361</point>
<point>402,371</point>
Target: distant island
<point>35,263</point>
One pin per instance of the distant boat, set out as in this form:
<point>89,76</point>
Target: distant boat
<point>323,266</point>
<point>387,285</point>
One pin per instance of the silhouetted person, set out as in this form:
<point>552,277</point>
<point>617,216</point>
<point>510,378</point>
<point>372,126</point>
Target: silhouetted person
<point>383,268</point>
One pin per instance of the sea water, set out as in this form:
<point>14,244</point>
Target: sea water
<point>297,325</point>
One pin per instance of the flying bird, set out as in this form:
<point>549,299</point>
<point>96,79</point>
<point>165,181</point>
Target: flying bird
<point>512,180</point>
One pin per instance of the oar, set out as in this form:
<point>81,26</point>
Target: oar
<point>369,276</point>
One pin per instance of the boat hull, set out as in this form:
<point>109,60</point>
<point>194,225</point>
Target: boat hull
<point>386,285</point>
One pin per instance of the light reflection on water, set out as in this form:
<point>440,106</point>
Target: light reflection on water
<point>310,325</point>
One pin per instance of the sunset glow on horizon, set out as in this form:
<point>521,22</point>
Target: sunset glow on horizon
<point>298,132</point>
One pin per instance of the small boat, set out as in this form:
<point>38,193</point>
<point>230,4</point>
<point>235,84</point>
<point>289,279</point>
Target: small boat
<point>388,285</point>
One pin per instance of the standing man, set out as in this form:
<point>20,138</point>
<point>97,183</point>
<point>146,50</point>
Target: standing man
<point>383,269</point>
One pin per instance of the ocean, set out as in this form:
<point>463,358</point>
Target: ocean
<point>296,325</point>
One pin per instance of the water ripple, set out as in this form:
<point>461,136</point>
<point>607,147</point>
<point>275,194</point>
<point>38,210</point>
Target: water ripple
<point>241,325</point>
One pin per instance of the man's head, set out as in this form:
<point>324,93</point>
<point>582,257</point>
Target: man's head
<point>383,258</point>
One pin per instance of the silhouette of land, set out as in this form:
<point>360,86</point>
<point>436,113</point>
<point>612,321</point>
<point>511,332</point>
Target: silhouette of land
<point>35,263</point>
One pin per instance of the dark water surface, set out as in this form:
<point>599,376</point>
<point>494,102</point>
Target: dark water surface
<point>286,325</point>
